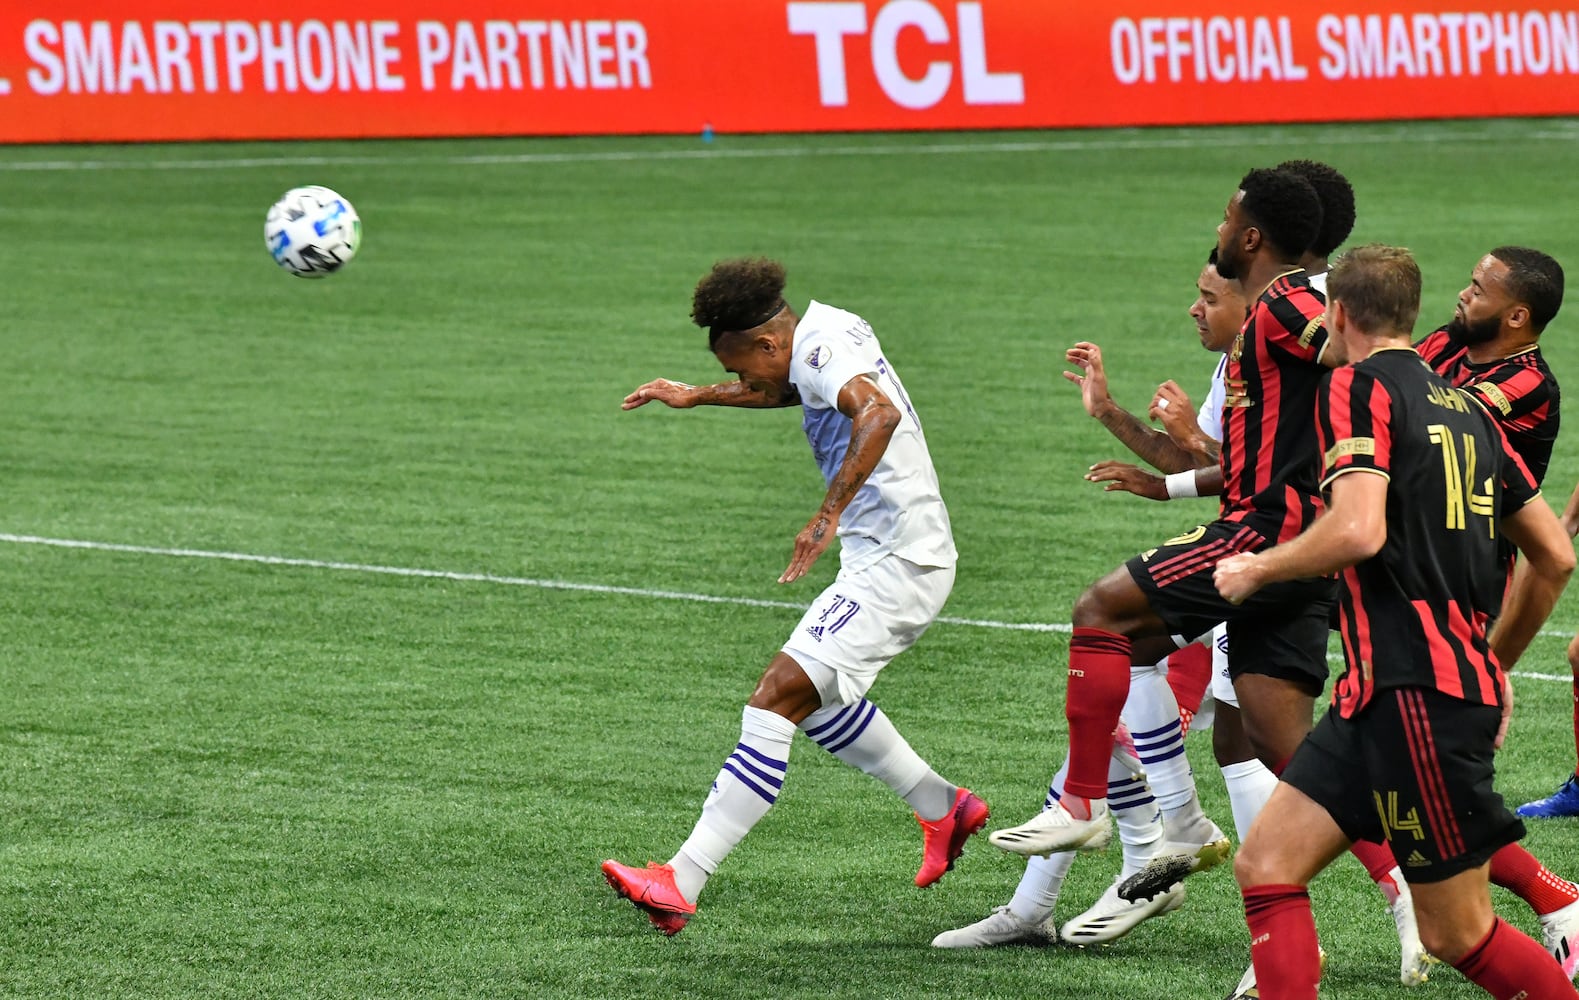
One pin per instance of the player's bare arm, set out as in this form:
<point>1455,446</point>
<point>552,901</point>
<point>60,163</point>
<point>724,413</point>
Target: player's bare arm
<point>1152,446</point>
<point>1570,517</point>
<point>1172,408</point>
<point>1538,580</point>
<point>681,396</point>
<point>1353,528</point>
<point>1122,477</point>
<point>873,418</point>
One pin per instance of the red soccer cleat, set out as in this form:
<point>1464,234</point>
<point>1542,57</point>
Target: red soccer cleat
<point>653,891</point>
<point>944,839</point>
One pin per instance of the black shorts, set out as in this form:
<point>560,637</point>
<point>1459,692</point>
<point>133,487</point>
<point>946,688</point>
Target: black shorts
<point>1281,631</point>
<point>1414,768</point>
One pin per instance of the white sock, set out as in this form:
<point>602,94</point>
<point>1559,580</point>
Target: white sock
<point>1152,714</point>
<point>1250,784</point>
<point>861,736</point>
<point>742,793</point>
<point>1139,829</point>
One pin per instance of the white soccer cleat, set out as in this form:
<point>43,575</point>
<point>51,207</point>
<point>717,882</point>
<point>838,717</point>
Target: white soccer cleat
<point>1111,917</point>
<point>1176,859</point>
<point>1246,990</point>
<point>1414,962</point>
<point>1000,927</point>
<point>1560,935</point>
<point>1054,829</point>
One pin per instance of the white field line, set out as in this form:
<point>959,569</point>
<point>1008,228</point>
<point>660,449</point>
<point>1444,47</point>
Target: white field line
<point>521,581</point>
<point>1160,141</point>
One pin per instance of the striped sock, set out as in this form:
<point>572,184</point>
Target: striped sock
<point>1521,873</point>
<point>861,736</point>
<point>742,793</point>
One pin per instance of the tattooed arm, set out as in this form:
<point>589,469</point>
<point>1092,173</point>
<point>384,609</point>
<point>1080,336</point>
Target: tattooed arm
<point>873,420</point>
<point>681,396</point>
<point>1152,446</point>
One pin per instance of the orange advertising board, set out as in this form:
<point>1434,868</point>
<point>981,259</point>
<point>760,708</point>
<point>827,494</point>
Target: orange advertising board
<point>118,70</point>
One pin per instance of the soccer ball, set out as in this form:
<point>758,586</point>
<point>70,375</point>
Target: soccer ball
<point>312,231</point>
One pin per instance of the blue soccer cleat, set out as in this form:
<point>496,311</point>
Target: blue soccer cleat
<point>1563,802</point>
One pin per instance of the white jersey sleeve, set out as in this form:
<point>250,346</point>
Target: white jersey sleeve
<point>900,508</point>
<point>1210,419</point>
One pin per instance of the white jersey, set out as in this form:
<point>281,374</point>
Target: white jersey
<point>1210,419</point>
<point>899,508</point>
<point>1319,283</point>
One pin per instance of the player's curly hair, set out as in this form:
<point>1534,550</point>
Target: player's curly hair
<point>737,295</point>
<point>1337,202</point>
<point>1536,279</point>
<point>1284,206</point>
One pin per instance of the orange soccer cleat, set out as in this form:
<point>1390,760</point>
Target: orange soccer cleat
<point>944,839</point>
<point>653,891</point>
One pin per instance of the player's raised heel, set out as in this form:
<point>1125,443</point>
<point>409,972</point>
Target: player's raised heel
<point>1054,829</point>
<point>653,892</point>
<point>943,840</point>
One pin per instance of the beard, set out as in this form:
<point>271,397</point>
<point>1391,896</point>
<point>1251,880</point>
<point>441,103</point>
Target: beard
<point>1469,333</point>
<point>1229,265</point>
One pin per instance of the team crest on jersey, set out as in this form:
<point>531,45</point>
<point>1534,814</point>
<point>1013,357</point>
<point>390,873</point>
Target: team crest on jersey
<point>819,356</point>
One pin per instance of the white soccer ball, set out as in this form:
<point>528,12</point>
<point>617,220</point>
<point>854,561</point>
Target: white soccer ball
<point>312,231</point>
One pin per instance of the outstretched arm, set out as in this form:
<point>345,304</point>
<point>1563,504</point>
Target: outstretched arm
<point>1152,446</point>
<point>681,396</point>
<point>873,418</point>
<point>1353,529</point>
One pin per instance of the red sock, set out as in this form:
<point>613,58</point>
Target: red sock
<point>1379,864</point>
<point>1517,871</point>
<point>1189,672</point>
<point>1507,965</point>
<point>1283,941</point>
<point>1098,685</point>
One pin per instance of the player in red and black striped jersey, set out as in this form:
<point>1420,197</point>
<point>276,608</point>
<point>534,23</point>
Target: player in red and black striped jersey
<point>1277,645</point>
<point>1421,482</point>
<point>1492,347</point>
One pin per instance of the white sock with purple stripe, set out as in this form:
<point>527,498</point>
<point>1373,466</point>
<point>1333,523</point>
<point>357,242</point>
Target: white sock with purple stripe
<point>745,788</point>
<point>1139,829</point>
<point>1152,713</point>
<point>861,736</point>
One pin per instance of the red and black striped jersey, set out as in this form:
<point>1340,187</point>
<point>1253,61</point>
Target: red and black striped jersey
<point>1416,613</point>
<point>1519,392</point>
<point>1270,473</point>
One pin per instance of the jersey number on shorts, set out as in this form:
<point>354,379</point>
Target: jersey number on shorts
<point>841,611</point>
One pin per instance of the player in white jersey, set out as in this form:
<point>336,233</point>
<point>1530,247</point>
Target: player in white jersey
<point>896,570</point>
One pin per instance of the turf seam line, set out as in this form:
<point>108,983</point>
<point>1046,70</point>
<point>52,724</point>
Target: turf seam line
<point>521,581</point>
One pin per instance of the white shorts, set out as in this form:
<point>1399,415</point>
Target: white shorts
<point>1221,688</point>
<point>863,620</point>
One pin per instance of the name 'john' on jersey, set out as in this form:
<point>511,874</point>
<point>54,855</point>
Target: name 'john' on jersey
<point>1437,581</point>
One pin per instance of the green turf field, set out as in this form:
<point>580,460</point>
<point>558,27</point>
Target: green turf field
<point>226,778</point>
